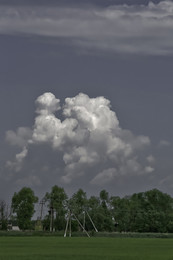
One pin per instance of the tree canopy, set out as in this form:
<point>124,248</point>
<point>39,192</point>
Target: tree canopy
<point>150,211</point>
<point>23,205</point>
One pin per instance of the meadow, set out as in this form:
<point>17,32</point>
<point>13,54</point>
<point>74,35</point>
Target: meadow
<point>83,248</point>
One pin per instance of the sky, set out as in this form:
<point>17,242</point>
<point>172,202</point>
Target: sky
<point>86,96</point>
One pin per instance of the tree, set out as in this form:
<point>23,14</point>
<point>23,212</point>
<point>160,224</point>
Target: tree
<point>3,215</point>
<point>120,208</point>
<point>100,213</point>
<point>150,211</point>
<point>160,210</point>
<point>105,211</point>
<point>96,213</point>
<point>153,211</point>
<point>104,196</point>
<point>56,203</point>
<point>23,205</point>
<point>78,204</point>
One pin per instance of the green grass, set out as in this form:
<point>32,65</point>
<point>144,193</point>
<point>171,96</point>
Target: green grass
<point>37,248</point>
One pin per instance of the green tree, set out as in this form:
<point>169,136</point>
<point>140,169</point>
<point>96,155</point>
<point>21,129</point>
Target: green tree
<point>100,213</point>
<point>104,197</point>
<point>56,199</point>
<point>78,204</point>
<point>3,215</point>
<point>23,205</point>
<point>153,211</point>
<point>107,221</point>
<point>120,208</point>
<point>160,210</point>
<point>150,211</point>
<point>93,209</point>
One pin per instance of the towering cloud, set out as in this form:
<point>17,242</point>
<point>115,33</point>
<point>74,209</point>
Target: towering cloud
<point>88,141</point>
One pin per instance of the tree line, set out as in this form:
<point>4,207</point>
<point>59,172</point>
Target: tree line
<point>150,211</point>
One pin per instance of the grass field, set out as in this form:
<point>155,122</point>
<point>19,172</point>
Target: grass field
<point>37,248</point>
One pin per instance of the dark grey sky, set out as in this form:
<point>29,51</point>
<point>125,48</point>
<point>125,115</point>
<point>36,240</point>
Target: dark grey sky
<point>115,51</point>
<point>100,3</point>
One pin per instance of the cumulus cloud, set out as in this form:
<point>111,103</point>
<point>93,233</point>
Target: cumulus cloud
<point>149,169</point>
<point>150,159</point>
<point>89,140</point>
<point>145,29</point>
<point>17,164</point>
<point>104,177</point>
<point>20,137</point>
<point>47,104</point>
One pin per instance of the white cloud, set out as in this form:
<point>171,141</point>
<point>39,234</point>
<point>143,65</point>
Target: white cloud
<point>164,143</point>
<point>47,104</point>
<point>149,169</point>
<point>120,28</point>
<point>20,137</point>
<point>89,142</point>
<point>150,159</point>
<point>105,176</point>
<point>17,164</point>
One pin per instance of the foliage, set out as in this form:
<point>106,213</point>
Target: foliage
<point>56,200</point>
<point>23,205</point>
<point>150,211</point>
<point>3,215</point>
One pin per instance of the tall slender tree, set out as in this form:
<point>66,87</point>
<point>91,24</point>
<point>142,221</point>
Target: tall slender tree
<point>3,215</point>
<point>56,200</point>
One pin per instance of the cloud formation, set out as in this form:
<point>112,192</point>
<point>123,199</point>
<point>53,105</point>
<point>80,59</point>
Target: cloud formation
<point>88,141</point>
<point>139,29</point>
<point>18,163</point>
<point>20,137</point>
<point>164,143</point>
